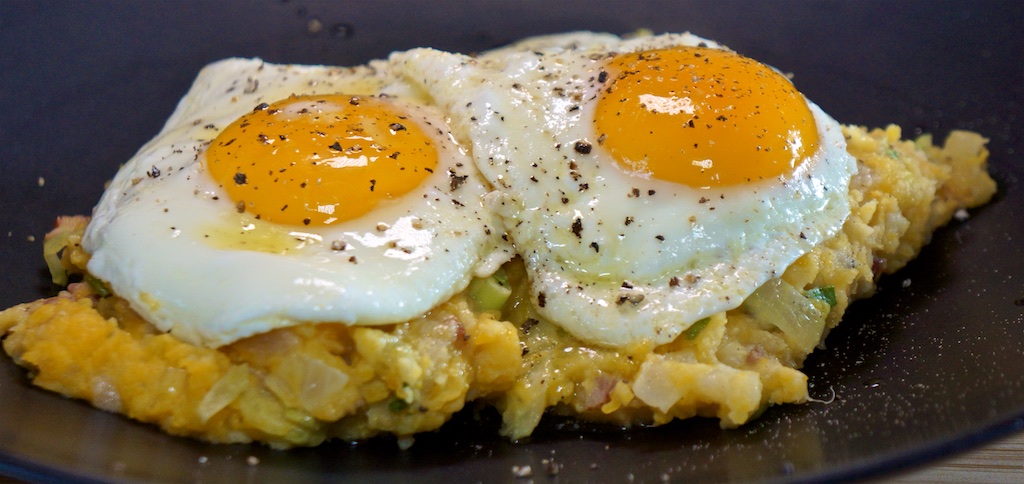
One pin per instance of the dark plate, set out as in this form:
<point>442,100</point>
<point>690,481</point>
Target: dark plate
<point>917,372</point>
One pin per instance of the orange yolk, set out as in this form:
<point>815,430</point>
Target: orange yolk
<point>317,160</point>
<point>702,117</point>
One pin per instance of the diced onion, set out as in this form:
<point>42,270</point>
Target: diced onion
<point>800,318</point>
<point>56,244</point>
<point>225,391</point>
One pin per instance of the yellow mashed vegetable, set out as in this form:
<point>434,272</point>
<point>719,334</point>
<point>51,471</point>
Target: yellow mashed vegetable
<point>303,385</point>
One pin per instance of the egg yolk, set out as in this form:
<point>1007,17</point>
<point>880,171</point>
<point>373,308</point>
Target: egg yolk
<point>702,117</point>
<point>317,160</point>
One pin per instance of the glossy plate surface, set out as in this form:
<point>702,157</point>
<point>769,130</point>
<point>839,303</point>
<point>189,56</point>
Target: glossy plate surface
<point>929,366</point>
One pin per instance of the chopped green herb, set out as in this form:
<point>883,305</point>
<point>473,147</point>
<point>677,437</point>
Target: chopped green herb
<point>397,404</point>
<point>697,327</point>
<point>97,286</point>
<point>824,293</point>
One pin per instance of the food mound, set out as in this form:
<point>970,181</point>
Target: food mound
<point>623,230</point>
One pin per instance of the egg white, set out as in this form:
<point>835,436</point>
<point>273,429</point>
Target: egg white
<point>615,258</point>
<point>167,239</point>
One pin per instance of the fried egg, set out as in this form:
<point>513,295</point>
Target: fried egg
<point>647,183</point>
<point>278,195</point>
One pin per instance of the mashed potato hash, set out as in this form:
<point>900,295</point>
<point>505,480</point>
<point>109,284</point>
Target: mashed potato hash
<point>302,385</point>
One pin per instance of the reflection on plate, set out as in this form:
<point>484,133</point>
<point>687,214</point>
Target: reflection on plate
<point>929,365</point>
